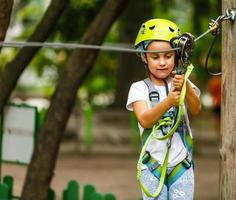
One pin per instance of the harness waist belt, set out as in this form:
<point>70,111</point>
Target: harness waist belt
<point>170,178</point>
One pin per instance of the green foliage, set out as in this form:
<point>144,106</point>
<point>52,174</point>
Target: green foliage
<point>29,15</point>
<point>192,16</point>
<point>102,77</point>
<point>48,63</point>
<point>79,14</point>
<point>98,88</point>
<point>49,60</point>
<point>6,56</point>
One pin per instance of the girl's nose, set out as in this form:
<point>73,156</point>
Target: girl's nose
<point>162,61</point>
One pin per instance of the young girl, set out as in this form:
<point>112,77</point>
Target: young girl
<point>166,169</point>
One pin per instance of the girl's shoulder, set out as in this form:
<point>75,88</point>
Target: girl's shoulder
<point>139,86</point>
<point>138,92</point>
<point>140,83</point>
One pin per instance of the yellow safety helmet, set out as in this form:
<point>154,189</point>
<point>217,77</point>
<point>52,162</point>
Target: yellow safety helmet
<point>157,29</point>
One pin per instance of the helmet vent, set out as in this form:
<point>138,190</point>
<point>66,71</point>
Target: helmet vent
<point>171,29</point>
<point>152,27</point>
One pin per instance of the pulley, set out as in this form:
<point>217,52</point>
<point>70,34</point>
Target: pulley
<point>186,44</point>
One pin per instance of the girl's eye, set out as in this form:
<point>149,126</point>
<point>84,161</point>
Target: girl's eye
<point>168,56</point>
<point>155,57</point>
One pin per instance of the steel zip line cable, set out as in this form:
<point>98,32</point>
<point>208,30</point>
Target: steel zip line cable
<point>59,45</point>
<point>69,46</point>
<point>230,14</point>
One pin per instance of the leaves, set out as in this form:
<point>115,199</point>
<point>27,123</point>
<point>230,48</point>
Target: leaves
<point>74,22</point>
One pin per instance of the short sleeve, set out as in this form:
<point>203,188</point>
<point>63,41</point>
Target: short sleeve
<point>137,92</point>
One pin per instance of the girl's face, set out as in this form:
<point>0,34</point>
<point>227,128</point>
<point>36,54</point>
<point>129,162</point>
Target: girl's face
<point>160,65</point>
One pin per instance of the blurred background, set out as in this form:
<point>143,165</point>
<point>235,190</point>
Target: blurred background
<point>100,144</point>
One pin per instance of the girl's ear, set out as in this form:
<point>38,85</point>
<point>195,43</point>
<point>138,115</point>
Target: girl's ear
<point>144,58</point>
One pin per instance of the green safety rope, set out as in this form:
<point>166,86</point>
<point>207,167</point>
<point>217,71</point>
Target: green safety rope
<point>181,103</point>
<point>168,135</point>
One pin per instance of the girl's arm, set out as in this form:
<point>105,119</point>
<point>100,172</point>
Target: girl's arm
<point>192,99</point>
<point>148,117</point>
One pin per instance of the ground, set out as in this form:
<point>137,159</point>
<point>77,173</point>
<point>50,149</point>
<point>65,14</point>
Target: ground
<point>111,164</point>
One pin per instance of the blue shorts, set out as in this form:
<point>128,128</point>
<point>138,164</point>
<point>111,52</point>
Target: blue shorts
<point>181,189</point>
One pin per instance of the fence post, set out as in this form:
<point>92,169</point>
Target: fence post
<point>9,181</point>
<point>88,116</point>
<point>88,191</point>
<point>4,191</point>
<point>1,137</point>
<point>64,194</point>
<point>72,191</point>
<point>51,194</point>
<point>109,197</point>
<point>96,196</point>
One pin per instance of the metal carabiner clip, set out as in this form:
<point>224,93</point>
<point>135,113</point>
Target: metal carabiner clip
<point>230,14</point>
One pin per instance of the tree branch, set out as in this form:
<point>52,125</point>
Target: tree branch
<point>5,15</point>
<point>8,79</point>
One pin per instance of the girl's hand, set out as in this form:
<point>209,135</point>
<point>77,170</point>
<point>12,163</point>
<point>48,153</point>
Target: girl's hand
<point>178,81</point>
<point>173,97</point>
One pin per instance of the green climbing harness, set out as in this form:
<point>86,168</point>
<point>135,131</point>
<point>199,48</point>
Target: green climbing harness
<point>145,158</point>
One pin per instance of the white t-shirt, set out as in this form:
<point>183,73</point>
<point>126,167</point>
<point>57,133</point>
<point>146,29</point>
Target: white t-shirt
<point>157,148</point>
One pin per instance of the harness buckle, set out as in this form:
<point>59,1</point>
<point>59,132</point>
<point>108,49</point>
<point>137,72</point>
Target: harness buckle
<point>146,158</point>
<point>154,96</point>
<point>154,166</point>
<point>187,162</point>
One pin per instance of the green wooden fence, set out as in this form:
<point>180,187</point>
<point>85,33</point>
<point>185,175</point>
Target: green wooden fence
<point>71,192</point>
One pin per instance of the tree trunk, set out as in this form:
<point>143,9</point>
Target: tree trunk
<point>40,171</point>
<point>228,107</point>
<point>5,15</point>
<point>130,68</point>
<point>10,75</point>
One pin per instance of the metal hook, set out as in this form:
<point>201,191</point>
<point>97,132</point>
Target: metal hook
<point>231,14</point>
